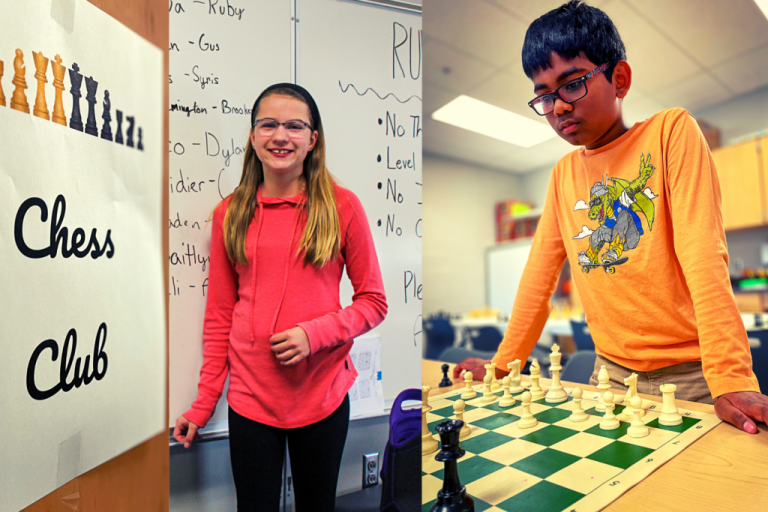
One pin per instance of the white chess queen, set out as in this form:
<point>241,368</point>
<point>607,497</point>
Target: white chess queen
<point>273,321</point>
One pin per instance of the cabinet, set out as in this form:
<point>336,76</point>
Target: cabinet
<point>741,172</point>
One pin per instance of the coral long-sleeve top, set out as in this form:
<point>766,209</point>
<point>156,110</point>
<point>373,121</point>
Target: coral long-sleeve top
<point>275,292</point>
<point>671,300</point>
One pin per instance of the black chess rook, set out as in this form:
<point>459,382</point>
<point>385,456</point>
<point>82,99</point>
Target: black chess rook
<point>453,496</point>
<point>76,79</point>
<point>90,125</point>
<point>106,131</point>
<point>119,132</point>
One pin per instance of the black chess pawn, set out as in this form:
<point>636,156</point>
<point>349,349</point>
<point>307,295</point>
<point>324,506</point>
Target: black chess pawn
<point>139,144</point>
<point>76,79</point>
<point>106,131</point>
<point>90,125</point>
<point>446,381</point>
<point>129,131</point>
<point>119,133</point>
<point>453,496</point>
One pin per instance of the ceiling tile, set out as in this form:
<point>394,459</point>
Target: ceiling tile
<point>450,70</point>
<point>746,73</point>
<point>527,11</point>
<point>511,90</point>
<point>435,98</point>
<point>477,28</point>
<point>710,31</point>
<point>462,144</point>
<point>697,92</point>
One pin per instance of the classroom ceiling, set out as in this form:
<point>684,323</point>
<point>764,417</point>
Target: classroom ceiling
<point>683,53</point>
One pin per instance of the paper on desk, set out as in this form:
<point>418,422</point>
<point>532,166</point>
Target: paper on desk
<point>367,394</point>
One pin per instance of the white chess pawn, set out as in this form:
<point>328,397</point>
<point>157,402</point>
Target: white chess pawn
<point>527,420</point>
<point>428,442</point>
<point>514,377</point>
<point>638,428</point>
<point>507,400</point>
<point>603,385</point>
<point>468,393</point>
<point>494,382</point>
<point>578,413</point>
<point>669,415</point>
<point>488,395</point>
<point>536,391</point>
<point>458,411</point>
<point>609,421</point>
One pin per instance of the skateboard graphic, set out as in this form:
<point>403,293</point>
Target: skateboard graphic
<point>586,267</point>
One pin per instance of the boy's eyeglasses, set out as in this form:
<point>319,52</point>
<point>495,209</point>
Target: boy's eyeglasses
<point>294,128</point>
<point>569,92</point>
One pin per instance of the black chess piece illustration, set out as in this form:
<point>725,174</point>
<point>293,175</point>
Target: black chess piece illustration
<point>106,131</point>
<point>90,125</point>
<point>129,131</point>
<point>446,381</point>
<point>453,496</point>
<point>119,132</point>
<point>139,144</point>
<point>76,79</point>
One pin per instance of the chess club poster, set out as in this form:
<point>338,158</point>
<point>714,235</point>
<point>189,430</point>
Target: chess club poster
<point>82,329</point>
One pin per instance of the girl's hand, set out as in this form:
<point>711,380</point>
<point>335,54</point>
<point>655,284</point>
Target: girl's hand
<point>290,346</point>
<point>185,431</point>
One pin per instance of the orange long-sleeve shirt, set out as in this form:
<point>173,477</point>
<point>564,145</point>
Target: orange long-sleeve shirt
<point>651,196</point>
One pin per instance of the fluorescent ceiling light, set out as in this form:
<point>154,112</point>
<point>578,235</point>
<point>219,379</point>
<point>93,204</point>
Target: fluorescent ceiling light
<point>491,121</point>
<point>763,5</point>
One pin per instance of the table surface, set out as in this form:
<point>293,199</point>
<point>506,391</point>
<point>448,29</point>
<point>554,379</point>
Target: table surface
<point>725,470</point>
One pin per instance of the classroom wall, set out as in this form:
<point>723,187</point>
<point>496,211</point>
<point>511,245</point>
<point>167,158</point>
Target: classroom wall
<point>459,224</point>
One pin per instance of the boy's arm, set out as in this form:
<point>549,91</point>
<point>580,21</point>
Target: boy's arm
<point>538,283</point>
<point>700,246</point>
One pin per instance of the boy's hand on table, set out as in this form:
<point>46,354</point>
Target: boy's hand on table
<point>471,364</point>
<point>743,409</point>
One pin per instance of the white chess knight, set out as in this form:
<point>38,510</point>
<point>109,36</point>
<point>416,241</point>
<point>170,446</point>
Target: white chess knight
<point>669,415</point>
<point>428,442</point>
<point>556,393</point>
<point>578,414</point>
<point>536,391</point>
<point>631,383</point>
<point>603,385</point>
<point>514,377</point>
<point>494,382</point>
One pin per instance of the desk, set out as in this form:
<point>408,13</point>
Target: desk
<point>726,470</point>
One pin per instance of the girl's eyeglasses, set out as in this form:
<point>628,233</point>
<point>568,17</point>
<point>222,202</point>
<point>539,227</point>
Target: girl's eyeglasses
<point>294,128</point>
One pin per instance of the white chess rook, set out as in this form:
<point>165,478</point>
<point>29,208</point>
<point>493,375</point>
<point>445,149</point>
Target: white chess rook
<point>669,415</point>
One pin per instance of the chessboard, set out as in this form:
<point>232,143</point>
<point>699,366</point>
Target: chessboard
<point>556,465</point>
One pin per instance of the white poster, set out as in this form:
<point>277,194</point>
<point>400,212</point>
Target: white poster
<point>82,328</point>
<point>366,396</point>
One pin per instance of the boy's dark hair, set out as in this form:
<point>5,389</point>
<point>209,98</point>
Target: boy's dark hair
<point>570,30</point>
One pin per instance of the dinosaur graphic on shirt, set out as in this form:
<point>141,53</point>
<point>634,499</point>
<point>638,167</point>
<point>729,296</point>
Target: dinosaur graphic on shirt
<point>617,208</point>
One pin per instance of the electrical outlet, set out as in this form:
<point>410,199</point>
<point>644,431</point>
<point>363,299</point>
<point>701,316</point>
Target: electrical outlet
<point>370,469</point>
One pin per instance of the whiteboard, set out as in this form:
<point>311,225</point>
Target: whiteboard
<point>504,265</point>
<point>314,43</point>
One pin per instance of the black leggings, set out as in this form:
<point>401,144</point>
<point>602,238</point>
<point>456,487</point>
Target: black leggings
<point>257,452</point>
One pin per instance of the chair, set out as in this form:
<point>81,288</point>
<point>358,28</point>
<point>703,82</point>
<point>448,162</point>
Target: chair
<point>439,335</point>
<point>581,336</point>
<point>485,338</point>
<point>579,367</point>
<point>760,357</point>
<point>458,354</point>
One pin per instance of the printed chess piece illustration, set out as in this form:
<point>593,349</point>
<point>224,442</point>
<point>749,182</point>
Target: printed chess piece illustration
<point>41,66</point>
<point>119,131</point>
<point>428,443</point>
<point>91,86</point>
<point>2,96</point>
<point>556,393</point>
<point>76,80</point>
<point>458,411</point>
<point>129,132</point>
<point>453,496</point>
<point>106,131</point>
<point>514,377</point>
<point>669,415</point>
<point>578,415</point>
<point>638,428</point>
<point>19,97</point>
<point>58,117</point>
<point>468,393</point>
<point>446,382</point>
<point>140,147</point>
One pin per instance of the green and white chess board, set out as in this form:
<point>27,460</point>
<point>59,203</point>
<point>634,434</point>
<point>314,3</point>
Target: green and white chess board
<point>556,465</point>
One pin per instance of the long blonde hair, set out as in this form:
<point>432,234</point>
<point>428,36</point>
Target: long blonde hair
<point>321,240</point>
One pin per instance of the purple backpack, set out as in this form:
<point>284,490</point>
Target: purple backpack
<point>401,467</point>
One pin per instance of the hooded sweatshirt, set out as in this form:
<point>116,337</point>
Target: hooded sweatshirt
<point>275,292</point>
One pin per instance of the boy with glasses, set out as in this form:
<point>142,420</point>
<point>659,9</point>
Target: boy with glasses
<point>639,207</point>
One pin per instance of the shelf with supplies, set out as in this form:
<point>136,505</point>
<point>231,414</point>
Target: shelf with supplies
<point>515,220</point>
